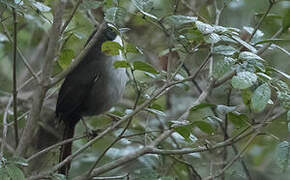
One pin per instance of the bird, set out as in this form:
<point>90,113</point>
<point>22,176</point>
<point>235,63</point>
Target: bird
<point>91,88</point>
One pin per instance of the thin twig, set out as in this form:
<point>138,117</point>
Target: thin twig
<point>14,75</point>
<point>112,177</point>
<point>71,16</point>
<point>54,146</point>
<point>5,128</point>
<point>278,33</point>
<point>195,173</point>
<point>258,25</point>
<point>24,59</point>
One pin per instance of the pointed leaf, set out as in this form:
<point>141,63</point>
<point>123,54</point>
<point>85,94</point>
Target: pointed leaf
<point>66,58</point>
<point>116,15</point>
<point>14,172</point>
<point>204,126</point>
<point>244,80</point>
<point>121,64</point>
<point>200,106</point>
<point>282,155</point>
<point>286,20</point>
<point>179,19</point>
<point>246,55</point>
<point>239,120</point>
<point>260,98</point>
<point>144,6</point>
<point>245,44</point>
<point>111,48</point>
<point>130,48</point>
<point>224,50</point>
<point>204,28</point>
<point>212,38</point>
<point>41,7</point>
<point>142,66</point>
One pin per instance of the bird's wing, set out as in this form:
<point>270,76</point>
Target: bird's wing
<point>72,94</point>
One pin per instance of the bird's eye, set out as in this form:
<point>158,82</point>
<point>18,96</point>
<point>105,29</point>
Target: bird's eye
<point>110,34</point>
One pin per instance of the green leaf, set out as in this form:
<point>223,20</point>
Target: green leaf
<point>212,38</point>
<point>284,99</point>
<point>59,177</point>
<point>222,66</point>
<point>116,15</point>
<point>3,174</point>
<point>90,4</point>
<point>239,120</point>
<point>220,29</point>
<point>286,20</point>
<point>111,48</point>
<point>288,115</point>
<point>144,6</point>
<point>40,6</point>
<point>142,66</point>
<point>224,50</point>
<point>223,110</point>
<point>260,98</point>
<point>246,55</point>
<point>130,48</point>
<point>244,80</point>
<point>258,35</point>
<point>246,96</point>
<point>204,126</point>
<point>200,106</point>
<point>14,172</point>
<point>282,155</point>
<point>178,20</point>
<point>121,64</point>
<point>65,58</point>
<point>245,44</point>
<point>184,131</point>
<point>204,28</point>
<point>288,126</point>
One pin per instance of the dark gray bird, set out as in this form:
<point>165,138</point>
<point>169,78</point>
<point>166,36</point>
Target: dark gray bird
<point>92,88</point>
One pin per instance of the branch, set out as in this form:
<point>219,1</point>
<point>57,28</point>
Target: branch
<point>147,149</point>
<point>41,90</point>
<point>24,59</point>
<point>261,20</point>
<point>71,16</point>
<point>278,33</point>
<point>14,76</point>
<point>158,93</point>
<point>53,147</point>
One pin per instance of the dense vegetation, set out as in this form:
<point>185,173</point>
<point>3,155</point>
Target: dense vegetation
<point>208,95</point>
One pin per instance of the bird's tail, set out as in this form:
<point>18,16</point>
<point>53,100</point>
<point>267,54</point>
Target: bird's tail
<point>66,149</point>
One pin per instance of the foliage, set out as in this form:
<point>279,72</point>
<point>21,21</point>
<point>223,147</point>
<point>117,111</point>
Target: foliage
<point>207,71</point>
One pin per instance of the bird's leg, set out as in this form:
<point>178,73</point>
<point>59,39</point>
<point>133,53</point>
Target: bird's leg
<point>91,133</point>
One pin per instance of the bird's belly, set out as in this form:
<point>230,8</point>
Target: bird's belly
<point>105,93</point>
